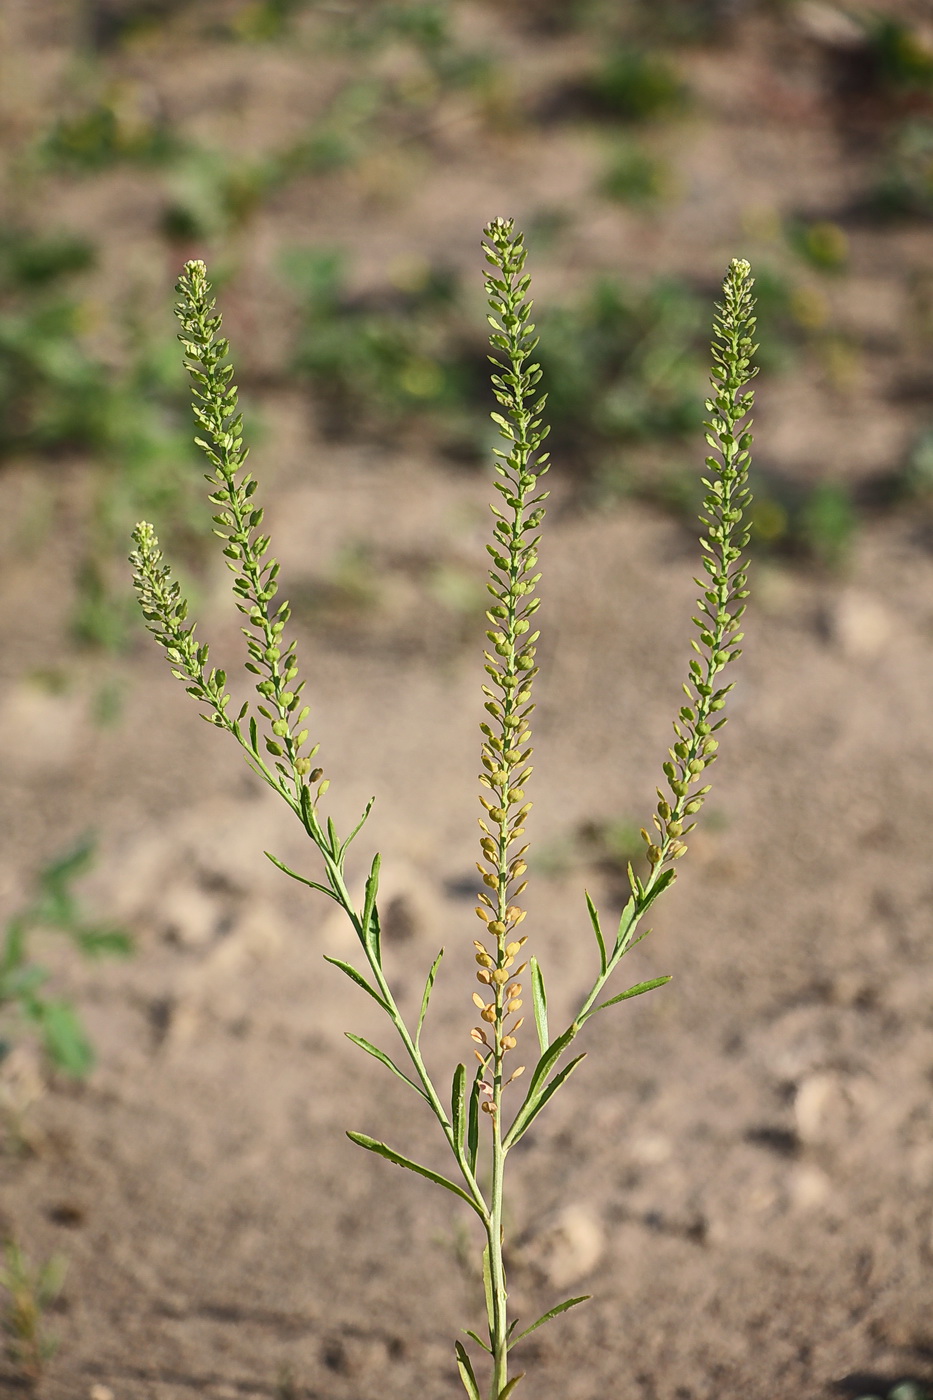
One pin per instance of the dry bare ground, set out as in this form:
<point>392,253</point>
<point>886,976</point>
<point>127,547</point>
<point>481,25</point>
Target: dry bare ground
<point>740,1174</point>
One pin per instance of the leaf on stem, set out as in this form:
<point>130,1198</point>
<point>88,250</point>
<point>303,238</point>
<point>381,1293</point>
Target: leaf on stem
<point>359,979</point>
<point>601,942</point>
<point>477,1339</point>
<point>369,925</point>
<point>428,988</point>
<point>530,1110</point>
<point>457,1096</point>
<point>383,1058</point>
<point>507,1390</point>
<point>552,1312</point>
<point>473,1118</point>
<point>391,1155</point>
<point>465,1367</point>
<point>635,991</point>
<point>539,1000</point>
<point>344,847</point>
<point>548,1060</point>
<point>312,884</point>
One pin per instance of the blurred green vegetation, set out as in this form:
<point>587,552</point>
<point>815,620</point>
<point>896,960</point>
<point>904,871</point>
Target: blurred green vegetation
<point>24,1004</point>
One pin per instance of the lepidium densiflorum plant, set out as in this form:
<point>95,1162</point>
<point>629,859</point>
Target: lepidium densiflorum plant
<point>493,1103</point>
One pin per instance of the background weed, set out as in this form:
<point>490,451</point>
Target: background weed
<point>23,1002</point>
<point>31,1290</point>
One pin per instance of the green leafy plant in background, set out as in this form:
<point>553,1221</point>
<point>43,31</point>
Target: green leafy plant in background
<point>904,1390</point>
<point>23,1002</point>
<point>491,1105</point>
<point>633,85</point>
<point>31,1290</point>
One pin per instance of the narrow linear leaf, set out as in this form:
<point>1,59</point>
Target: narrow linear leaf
<point>473,1120</point>
<point>507,1390</point>
<point>548,1060</point>
<point>487,1281</point>
<point>369,927</point>
<point>600,941</point>
<point>539,1001</point>
<point>629,917</point>
<point>552,1312</point>
<point>359,979</point>
<point>457,1097</point>
<point>391,1155</point>
<point>426,997</point>
<point>665,880</point>
<point>528,1113</point>
<point>635,991</point>
<point>465,1367</point>
<point>312,884</point>
<point>478,1340</point>
<point>341,852</point>
<point>383,1058</point>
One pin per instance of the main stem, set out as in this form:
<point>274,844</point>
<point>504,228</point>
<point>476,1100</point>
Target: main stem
<point>498,1299</point>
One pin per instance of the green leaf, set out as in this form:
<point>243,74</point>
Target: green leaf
<point>629,916</point>
<point>358,978</point>
<point>530,1110</point>
<point>487,1281</point>
<point>552,1312</point>
<point>539,1000</point>
<point>69,866</point>
<point>549,1059</point>
<point>506,1390</point>
<point>391,1155</point>
<point>664,881</point>
<point>342,850</point>
<point>635,991</point>
<point>66,1044</point>
<point>369,925</point>
<point>478,1340</point>
<point>594,920</point>
<point>104,943</point>
<point>457,1096</point>
<point>465,1367</point>
<point>473,1119</point>
<point>312,884</point>
<point>428,988</point>
<point>383,1058</point>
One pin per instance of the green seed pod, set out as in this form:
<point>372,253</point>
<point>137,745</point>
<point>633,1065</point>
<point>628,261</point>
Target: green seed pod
<point>280,727</point>
<point>654,854</point>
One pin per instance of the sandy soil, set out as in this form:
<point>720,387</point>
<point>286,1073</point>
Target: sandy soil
<point>740,1173</point>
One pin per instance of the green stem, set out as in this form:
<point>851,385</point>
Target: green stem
<point>498,1297</point>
